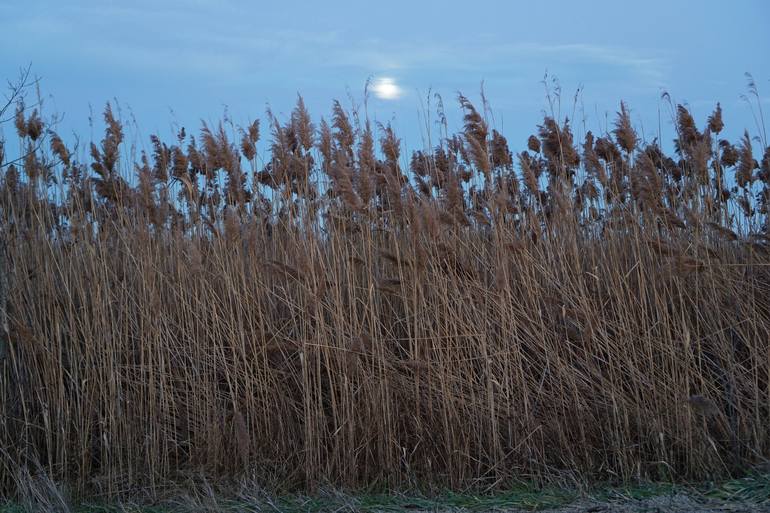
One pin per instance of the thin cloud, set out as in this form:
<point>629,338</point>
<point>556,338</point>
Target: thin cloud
<point>480,58</point>
<point>147,38</point>
<point>652,68</point>
<point>152,36</point>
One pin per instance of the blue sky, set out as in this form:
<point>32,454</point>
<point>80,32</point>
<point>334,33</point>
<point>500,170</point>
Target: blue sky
<point>179,61</point>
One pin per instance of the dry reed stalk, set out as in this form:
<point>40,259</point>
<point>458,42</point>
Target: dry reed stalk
<point>334,322</point>
<point>726,233</point>
<point>703,406</point>
<point>5,271</point>
<point>241,434</point>
<point>395,258</point>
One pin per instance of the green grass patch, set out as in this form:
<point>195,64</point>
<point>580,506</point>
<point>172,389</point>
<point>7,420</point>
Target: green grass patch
<point>750,490</point>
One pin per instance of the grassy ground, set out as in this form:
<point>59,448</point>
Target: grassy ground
<point>747,494</point>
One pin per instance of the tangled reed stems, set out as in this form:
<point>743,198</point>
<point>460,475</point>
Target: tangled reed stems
<point>322,314</point>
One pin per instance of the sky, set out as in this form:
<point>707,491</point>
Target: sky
<point>174,63</point>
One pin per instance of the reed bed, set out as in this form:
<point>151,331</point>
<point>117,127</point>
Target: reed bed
<point>325,314</point>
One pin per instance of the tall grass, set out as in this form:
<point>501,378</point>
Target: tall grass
<point>320,314</point>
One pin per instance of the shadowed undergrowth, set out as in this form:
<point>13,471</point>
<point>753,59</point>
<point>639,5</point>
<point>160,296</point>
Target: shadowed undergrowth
<point>746,494</point>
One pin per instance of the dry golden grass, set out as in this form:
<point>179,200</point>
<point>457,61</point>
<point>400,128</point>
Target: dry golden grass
<point>332,318</point>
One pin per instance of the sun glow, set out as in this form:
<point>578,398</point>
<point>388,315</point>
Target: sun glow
<point>386,88</point>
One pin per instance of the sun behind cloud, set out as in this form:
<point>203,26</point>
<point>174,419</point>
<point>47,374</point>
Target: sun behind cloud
<point>386,88</point>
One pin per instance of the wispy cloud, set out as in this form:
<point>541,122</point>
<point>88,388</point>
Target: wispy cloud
<point>211,39</point>
<point>651,68</point>
<point>216,43</point>
<point>202,38</point>
<point>492,56</point>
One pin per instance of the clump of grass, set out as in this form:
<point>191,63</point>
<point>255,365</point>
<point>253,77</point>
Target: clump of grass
<point>326,314</point>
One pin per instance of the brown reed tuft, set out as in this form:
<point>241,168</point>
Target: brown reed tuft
<point>715,122</point>
<point>624,131</point>
<point>476,132</point>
